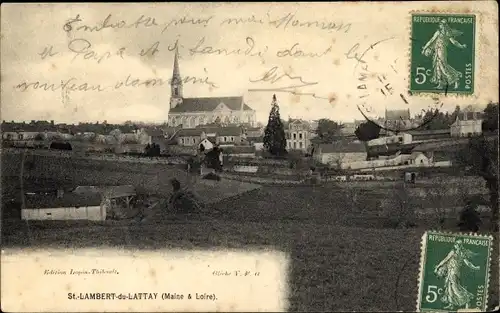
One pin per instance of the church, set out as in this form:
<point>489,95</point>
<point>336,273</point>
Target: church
<point>191,112</point>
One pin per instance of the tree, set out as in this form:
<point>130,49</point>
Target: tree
<point>454,115</point>
<point>39,137</point>
<point>274,134</point>
<point>490,122</point>
<point>367,131</point>
<point>480,157</point>
<point>435,119</point>
<point>327,130</point>
<point>212,159</point>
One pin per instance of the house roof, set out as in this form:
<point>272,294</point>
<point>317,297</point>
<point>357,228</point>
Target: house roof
<point>342,147</point>
<point>209,104</point>
<point>229,131</point>
<point>154,132</point>
<point>220,131</point>
<point>189,132</point>
<point>69,199</point>
<point>394,115</point>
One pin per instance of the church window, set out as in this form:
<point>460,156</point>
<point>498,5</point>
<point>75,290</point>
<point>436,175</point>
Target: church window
<point>294,145</point>
<point>294,136</point>
<point>300,135</point>
<point>194,140</point>
<point>182,140</point>
<point>225,139</point>
<point>300,145</point>
<point>232,138</point>
<point>176,90</point>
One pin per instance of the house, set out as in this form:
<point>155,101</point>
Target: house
<point>191,112</point>
<point>402,138</point>
<point>229,135</point>
<point>253,134</point>
<point>223,136</point>
<point>206,145</point>
<point>298,135</point>
<point>338,153</point>
<point>27,131</point>
<point>398,119</point>
<point>150,136</point>
<point>64,206</point>
<point>467,123</point>
<point>349,128</point>
<point>415,158</point>
<point>420,135</point>
<point>189,136</point>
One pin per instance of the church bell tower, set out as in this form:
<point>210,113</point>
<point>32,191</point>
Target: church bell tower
<point>176,83</point>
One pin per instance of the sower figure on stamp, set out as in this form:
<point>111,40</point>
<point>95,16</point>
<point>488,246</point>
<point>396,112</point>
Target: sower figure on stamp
<point>455,295</point>
<point>443,74</point>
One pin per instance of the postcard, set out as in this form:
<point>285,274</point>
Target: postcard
<point>175,157</point>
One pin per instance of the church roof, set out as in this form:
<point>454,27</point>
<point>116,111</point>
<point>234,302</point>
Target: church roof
<point>209,104</point>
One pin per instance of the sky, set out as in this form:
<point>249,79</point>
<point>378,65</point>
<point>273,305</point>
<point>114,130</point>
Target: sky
<point>287,39</point>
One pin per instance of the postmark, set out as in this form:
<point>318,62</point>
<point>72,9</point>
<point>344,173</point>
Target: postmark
<point>442,53</point>
<point>454,272</point>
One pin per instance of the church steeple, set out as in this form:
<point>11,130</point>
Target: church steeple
<point>176,83</point>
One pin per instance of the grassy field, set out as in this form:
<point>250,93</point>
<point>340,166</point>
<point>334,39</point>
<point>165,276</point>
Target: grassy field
<point>345,255</point>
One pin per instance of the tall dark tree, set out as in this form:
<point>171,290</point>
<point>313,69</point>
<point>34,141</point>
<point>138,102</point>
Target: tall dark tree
<point>327,130</point>
<point>367,131</point>
<point>274,134</point>
<point>490,121</point>
<point>480,157</point>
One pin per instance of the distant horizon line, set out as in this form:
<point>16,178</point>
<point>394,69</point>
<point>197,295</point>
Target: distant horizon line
<point>163,122</point>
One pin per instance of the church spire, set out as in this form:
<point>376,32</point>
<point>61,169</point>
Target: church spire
<point>176,73</point>
<point>176,83</point>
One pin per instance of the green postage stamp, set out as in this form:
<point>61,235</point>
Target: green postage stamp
<point>442,53</point>
<point>454,272</point>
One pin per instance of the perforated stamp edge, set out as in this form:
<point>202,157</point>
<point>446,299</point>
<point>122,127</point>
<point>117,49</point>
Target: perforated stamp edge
<point>423,255</point>
<point>478,65</point>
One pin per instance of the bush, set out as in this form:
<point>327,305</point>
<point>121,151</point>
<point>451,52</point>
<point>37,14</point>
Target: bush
<point>401,210</point>
<point>469,219</point>
<point>212,176</point>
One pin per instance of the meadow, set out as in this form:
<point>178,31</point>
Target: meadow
<point>346,251</point>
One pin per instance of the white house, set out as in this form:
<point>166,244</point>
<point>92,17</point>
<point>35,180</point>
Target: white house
<point>298,135</point>
<point>83,203</point>
<point>467,123</point>
<point>68,206</point>
<point>403,138</point>
<point>207,144</point>
<point>340,153</point>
